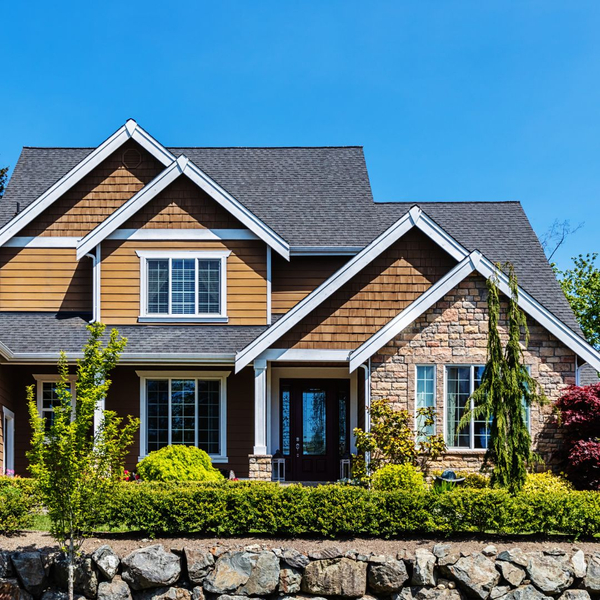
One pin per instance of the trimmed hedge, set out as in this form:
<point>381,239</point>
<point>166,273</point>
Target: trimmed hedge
<point>234,509</point>
<point>18,503</point>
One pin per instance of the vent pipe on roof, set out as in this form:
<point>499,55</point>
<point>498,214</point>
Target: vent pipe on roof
<point>18,208</point>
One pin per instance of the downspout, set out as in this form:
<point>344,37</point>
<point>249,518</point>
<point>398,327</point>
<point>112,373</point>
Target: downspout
<point>367,371</point>
<point>95,284</point>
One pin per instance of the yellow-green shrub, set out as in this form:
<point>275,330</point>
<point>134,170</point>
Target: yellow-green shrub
<point>178,463</point>
<point>397,477</point>
<point>546,482</point>
<point>17,503</point>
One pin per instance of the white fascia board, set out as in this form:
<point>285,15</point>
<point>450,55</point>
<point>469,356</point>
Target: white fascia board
<point>127,210</point>
<point>327,288</point>
<point>181,234</point>
<point>237,209</point>
<point>130,130</point>
<point>414,310</point>
<point>302,355</point>
<point>543,316</point>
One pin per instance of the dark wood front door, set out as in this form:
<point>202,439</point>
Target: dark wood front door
<point>314,427</point>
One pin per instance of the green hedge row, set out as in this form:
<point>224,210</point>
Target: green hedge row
<point>18,504</point>
<point>232,509</point>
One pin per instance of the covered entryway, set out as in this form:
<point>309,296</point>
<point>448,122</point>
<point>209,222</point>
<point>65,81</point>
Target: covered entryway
<point>314,427</point>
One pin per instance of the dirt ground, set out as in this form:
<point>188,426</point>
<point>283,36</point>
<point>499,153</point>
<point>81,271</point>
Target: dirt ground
<point>122,545</point>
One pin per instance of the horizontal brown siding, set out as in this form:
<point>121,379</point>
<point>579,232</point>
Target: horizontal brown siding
<point>97,195</point>
<point>373,297</point>
<point>246,279</point>
<point>182,205</point>
<point>292,281</point>
<point>44,279</point>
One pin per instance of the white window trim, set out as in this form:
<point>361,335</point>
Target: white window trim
<point>144,255</point>
<point>434,393</point>
<point>50,378</point>
<point>203,375</point>
<point>8,452</point>
<point>458,449</point>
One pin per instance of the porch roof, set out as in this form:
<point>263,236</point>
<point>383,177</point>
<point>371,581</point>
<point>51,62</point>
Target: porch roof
<point>45,334</point>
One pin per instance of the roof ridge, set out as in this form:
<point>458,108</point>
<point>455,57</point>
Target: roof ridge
<point>419,202</point>
<point>205,147</point>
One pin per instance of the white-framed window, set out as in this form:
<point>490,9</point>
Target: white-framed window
<point>460,382</point>
<point>47,397</point>
<point>183,285</point>
<point>425,378</point>
<point>8,432</point>
<point>187,408</point>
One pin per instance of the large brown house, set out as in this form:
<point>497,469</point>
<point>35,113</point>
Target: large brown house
<point>266,299</point>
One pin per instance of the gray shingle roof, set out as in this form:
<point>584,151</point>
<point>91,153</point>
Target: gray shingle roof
<point>20,332</point>
<point>322,197</point>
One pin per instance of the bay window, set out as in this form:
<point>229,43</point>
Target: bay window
<point>184,408</point>
<point>183,286</point>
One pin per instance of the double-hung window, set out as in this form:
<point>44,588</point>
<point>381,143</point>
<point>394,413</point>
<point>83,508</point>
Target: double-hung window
<point>184,408</point>
<point>461,382</point>
<point>183,286</point>
<point>47,397</point>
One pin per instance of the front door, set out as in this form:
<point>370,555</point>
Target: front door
<point>314,427</point>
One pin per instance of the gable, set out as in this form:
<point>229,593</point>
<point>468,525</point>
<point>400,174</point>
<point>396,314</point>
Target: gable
<point>182,205</point>
<point>97,195</point>
<point>373,296</point>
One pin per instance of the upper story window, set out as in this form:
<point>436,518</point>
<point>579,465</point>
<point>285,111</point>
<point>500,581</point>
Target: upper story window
<point>183,286</point>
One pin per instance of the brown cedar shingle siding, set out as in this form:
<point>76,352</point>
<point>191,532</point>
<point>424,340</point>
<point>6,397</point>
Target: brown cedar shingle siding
<point>182,205</point>
<point>373,297</point>
<point>246,278</point>
<point>292,281</point>
<point>96,196</point>
<point>44,279</point>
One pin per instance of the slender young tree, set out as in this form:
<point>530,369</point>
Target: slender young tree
<point>506,391</point>
<point>77,469</point>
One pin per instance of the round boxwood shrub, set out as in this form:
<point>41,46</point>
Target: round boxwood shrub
<point>546,482</point>
<point>397,477</point>
<point>178,463</point>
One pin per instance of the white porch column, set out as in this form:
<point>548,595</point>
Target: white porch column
<point>260,407</point>
<point>98,411</point>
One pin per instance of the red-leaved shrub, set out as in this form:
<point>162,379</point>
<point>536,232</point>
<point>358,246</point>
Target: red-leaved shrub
<point>579,408</point>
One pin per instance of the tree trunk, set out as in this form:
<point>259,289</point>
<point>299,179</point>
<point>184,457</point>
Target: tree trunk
<point>71,567</point>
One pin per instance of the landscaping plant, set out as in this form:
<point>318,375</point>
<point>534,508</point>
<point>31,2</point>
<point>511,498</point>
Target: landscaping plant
<point>178,463</point>
<point>76,468</point>
<point>579,409</point>
<point>398,477</point>
<point>392,440</point>
<point>506,388</point>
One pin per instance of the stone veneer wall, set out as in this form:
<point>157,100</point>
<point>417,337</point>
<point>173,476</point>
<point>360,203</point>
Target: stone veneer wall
<point>260,467</point>
<point>454,332</point>
<point>442,572</point>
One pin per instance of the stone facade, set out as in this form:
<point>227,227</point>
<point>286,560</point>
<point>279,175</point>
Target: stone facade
<point>260,467</point>
<point>454,332</point>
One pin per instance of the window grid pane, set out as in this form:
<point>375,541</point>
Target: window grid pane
<point>481,428</point>
<point>157,398</point>
<point>458,382</point>
<point>158,286</point>
<point>183,411</point>
<point>425,395</point>
<point>183,286</point>
<point>49,401</point>
<point>209,286</point>
<point>209,417</point>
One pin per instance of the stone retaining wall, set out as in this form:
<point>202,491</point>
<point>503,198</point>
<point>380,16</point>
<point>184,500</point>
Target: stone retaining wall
<point>442,572</point>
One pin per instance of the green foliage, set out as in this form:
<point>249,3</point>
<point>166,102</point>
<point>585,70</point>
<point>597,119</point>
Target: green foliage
<point>178,463</point>
<point>236,509</point>
<point>392,439</point>
<point>398,477</point>
<point>18,504</point>
<point>505,386</point>
<point>546,482</point>
<point>3,177</point>
<point>76,470</point>
<point>581,286</point>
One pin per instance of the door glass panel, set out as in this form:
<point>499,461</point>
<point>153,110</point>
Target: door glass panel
<point>343,422</point>
<point>285,421</point>
<point>314,404</point>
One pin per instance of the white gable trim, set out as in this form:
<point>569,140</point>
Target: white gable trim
<point>131,130</point>
<point>182,166</point>
<point>474,262</point>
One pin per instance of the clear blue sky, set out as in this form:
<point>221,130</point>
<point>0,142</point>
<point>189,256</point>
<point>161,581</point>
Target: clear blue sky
<point>452,100</point>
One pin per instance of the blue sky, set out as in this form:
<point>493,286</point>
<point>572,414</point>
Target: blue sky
<point>452,100</point>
